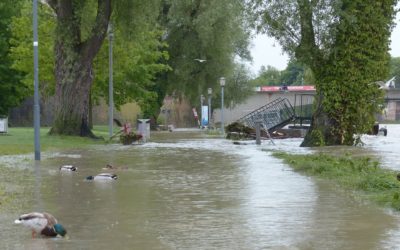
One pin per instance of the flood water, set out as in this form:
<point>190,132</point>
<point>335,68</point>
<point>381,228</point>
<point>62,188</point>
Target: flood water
<point>188,191</point>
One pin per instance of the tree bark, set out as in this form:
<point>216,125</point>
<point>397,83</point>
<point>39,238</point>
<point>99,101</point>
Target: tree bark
<point>319,133</point>
<point>73,69</point>
<point>72,95</point>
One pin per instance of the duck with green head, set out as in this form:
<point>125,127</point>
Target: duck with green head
<point>43,224</point>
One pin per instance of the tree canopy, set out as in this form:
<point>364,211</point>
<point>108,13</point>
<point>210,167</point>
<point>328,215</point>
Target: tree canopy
<point>155,47</point>
<point>12,90</point>
<point>345,44</point>
<point>204,39</point>
<point>138,53</point>
<point>295,74</point>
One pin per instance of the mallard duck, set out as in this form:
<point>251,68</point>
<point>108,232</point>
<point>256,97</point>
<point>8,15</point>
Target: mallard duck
<point>102,177</point>
<point>42,223</point>
<point>69,168</point>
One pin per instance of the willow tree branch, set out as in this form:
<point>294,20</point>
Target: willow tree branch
<point>92,45</point>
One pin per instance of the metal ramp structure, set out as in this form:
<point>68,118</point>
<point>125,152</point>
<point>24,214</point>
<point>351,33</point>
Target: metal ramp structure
<point>271,116</point>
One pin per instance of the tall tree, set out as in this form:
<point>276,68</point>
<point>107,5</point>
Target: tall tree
<point>204,38</point>
<point>345,43</point>
<point>81,27</point>
<point>12,90</point>
<point>137,59</point>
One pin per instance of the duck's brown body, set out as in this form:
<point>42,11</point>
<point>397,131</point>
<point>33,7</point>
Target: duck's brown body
<point>40,223</point>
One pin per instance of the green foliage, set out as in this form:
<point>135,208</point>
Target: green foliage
<point>12,90</point>
<point>137,58</point>
<point>22,52</point>
<point>317,138</point>
<point>351,97</point>
<point>345,44</point>
<point>295,74</point>
<point>269,76</point>
<point>360,174</point>
<point>211,30</point>
<point>395,70</point>
<point>136,64</point>
<point>237,87</point>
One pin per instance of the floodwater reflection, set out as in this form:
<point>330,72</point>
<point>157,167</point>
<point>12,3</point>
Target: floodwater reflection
<point>185,191</point>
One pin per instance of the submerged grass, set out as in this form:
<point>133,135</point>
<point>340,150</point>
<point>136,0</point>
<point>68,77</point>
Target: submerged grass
<point>360,174</point>
<point>21,140</point>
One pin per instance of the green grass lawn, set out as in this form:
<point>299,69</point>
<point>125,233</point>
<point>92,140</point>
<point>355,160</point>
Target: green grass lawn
<point>21,140</point>
<point>361,175</point>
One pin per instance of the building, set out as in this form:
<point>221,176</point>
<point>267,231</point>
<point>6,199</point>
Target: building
<point>297,96</point>
<point>302,97</point>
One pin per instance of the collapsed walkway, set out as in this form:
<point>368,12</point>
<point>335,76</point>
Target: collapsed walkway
<point>272,116</point>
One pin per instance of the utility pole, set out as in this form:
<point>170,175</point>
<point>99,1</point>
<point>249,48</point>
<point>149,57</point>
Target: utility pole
<point>36,105</point>
<point>222,83</point>
<point>110,83</point>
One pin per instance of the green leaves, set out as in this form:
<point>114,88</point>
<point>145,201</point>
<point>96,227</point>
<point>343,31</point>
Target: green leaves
<point>211,30</point>
<point>12,90</point>
<point>139,55</point>
<point>136,64</point>
<point>345,44</point>
<point>351,97</point>
<point>22,52</point>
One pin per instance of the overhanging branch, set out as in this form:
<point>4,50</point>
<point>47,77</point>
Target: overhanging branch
<point>51,3</point>
<point>91,46</point>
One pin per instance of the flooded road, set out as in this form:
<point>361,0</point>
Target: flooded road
<point>187,191</point>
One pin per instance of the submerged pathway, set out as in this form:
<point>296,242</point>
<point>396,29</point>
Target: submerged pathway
<point>184,191</point>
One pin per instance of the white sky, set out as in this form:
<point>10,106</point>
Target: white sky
<point>266,51</point>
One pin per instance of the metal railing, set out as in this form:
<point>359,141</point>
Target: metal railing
<point>272,116</point>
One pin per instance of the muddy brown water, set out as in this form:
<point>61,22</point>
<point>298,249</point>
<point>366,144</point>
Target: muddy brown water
<point>186,191</point>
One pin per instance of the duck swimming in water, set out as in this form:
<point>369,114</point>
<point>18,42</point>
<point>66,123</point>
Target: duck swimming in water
<point>102,177</point>
<point>69,168</point>
<point>42,223</point>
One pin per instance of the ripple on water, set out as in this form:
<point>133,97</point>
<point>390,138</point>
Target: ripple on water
<point>199,194</point>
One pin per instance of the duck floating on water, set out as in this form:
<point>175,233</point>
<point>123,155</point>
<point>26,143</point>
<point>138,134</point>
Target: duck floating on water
<point>69,168</point>
<point>42,223</point>
<point>102,177</point>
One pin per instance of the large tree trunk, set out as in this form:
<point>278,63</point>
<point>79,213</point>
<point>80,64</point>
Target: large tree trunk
<point>72,95</point>
<point>73,69</point>
<point>308,52</point>
<point>320,132</point>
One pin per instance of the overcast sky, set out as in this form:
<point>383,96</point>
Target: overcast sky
<point>266,51</point>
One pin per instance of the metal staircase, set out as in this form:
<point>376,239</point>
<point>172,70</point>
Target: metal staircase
<point>272,116</point>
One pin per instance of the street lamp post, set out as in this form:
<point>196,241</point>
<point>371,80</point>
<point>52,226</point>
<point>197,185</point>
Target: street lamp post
<point>36,106</point>
<point>110,83</point>
<point>202,98</point>
<point>222,83</point>
<point>209,107</point>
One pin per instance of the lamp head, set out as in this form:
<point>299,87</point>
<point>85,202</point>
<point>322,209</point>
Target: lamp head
<point>222,81</point>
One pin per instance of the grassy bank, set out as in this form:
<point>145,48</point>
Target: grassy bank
<point>21,140</point>
<point>362,175</point>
